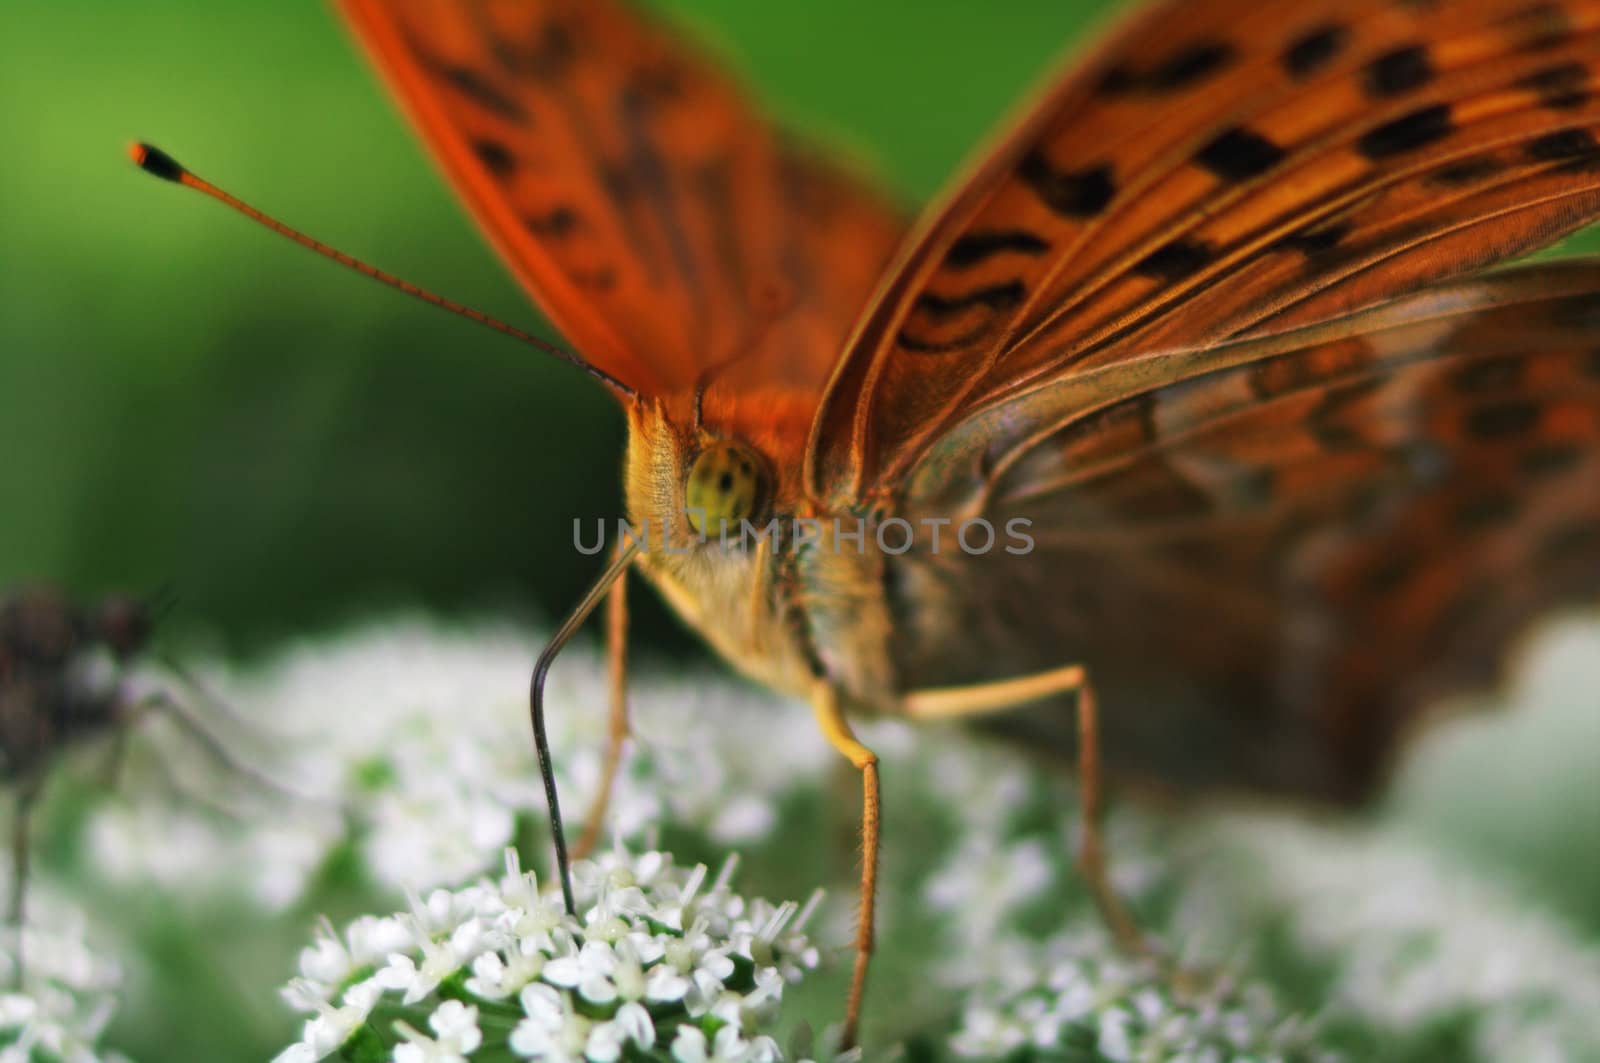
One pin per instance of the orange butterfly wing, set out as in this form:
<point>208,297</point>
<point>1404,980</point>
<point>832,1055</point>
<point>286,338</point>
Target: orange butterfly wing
<point>1216,169</point>
<point>1273,560</point>
<point>657,220</point>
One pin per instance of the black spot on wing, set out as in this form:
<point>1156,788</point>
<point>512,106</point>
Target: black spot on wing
<point>1550,459</point>
<point>557,224</point>
<point>1254,487</point>
<point>1570,542</point>
<point>1238,154</point>
<point>1466,172</point>
<point>995,297</point>
<point>1314,49</point>
<point>977,247</point>
<point>1074,193</point>
<point>1407,133</point>
<point>909,341</point>
<point>644,168</point>
<point>1563,87</point>
<point>1175,261</point>
<point>546,53</point>
<point>712,184</point>
<point>1398,71</point>
<point>602,279</point>
<point>495,156</point>
<point>1328,420</point>
<point>1314,239</point>
<point>1580,311</point>
<point>1392,571</point>
<point>483,92</point>
<point>1488,375</point>
<point>1502,420</point>
<point>1184,68</point>
<point>1575,147</point>
<point>1192,64</point>
<point>1484,511</point>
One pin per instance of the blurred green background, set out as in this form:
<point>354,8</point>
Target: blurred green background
<point>186,399</point>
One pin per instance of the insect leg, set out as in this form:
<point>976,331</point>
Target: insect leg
<point>982,698</point>
<point>116,758</point>
<point>830,717</point>
<point>1091,847</point>
<point>617,729</point>
<point>21,849</point>
<point>214,747</point>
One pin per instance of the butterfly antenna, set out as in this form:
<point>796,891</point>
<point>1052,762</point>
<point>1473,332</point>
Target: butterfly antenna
<point>153,160</point>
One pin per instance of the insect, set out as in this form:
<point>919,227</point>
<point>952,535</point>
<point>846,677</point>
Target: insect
<point>62,666</point>
<point>1210,319</point>
<point>53,697</point>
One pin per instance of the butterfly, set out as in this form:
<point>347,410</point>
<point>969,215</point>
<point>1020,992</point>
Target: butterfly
<point>1210,326</point>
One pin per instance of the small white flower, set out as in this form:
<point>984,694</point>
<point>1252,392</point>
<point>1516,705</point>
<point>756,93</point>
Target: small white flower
<point>332,960</point>
<point>333,1025</point>
<point>456,1036</point>
<point>624,962</point>
<point>68,992</point>
<point>497,975</point>
<point>1113,1040</point>
<point>552,1030</point>
<point>588,972</point>
<point>727,1046</point>
<point>1073,990</point>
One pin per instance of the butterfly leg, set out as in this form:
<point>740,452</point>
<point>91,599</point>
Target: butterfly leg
<point>1091,843</point>
<point>617,728</point>
<point>983,698</point>
<point>830,716</point>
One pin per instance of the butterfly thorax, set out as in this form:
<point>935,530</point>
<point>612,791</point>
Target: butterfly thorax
<point>783,610</point>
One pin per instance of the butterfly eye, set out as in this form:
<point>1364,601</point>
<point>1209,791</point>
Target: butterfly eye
<point>726,484</point>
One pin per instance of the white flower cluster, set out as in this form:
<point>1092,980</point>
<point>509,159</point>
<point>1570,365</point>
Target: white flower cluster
<point>663,964</point>
<point>1073,998</point>
<point>1415,941</point>
<point>67,992</point>
<point>415,744</point>
<point>416,739</point>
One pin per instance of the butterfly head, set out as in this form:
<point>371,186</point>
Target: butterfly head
<point>704,479</point>
<point>704,498</point>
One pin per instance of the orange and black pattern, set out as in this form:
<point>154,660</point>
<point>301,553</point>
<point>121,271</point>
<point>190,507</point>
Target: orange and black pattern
<point>1211,313</point>
<point>635,192</point>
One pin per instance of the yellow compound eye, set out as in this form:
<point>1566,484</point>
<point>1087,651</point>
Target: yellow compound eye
<point>725,486</point>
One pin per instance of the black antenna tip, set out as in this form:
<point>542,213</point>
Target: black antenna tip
<point>153,160</point>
